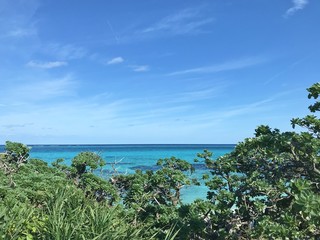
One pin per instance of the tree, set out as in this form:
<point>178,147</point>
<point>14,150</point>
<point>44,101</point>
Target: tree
<point>17,152</point>
<point>268,187</point>
<point>161,187</point>
<point>87,159</point>
<point>15,156</point>
<point>81,172</point>
<point>155,195</point>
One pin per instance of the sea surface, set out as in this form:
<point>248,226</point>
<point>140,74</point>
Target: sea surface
<point>129,157</point>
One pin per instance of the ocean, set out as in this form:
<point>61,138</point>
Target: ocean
<point>129,157</point>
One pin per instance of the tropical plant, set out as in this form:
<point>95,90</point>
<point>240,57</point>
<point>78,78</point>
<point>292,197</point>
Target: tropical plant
<point>268,187</point>
<point>16,152</point>
<point>81,172</point>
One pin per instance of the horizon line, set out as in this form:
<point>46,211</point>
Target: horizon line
<point>104,144</point>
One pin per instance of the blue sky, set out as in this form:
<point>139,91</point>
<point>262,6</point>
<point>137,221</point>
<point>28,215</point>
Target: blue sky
<point>154,71</point>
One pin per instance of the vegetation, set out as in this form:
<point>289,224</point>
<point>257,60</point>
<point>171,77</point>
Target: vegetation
<point>267,188</point>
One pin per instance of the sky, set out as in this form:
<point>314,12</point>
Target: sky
<point>154,71</point>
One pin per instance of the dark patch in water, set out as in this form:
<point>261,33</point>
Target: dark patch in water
<point>145,168</point>
<point>200,166</point>
<point>107,171</point>
<point>119,163</point>
<point>155,167</point>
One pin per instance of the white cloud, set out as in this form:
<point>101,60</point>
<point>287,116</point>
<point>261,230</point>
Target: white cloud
<point>297,5</point>
<point>141,68</point>
<point>227,66</point>
<point>198,95</point>
<point>17,18</point>
<point>46,65</point>
<point>9,126</point>
<point>115,36</point>
<point>184,22</point>
<point>39,90</point>
<point>52,88</point>
<point>22,32</point>
<point>66,52</point>
<point>115,60</point>
<point>56,119</point>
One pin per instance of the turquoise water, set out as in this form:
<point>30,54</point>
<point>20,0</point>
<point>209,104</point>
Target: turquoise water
<point>136,156</point>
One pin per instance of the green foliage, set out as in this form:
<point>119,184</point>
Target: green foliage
<point>161,187</point>
<point>81,174</point>
<point>69,215</point>
<point>311,122</point>
<point>168,181</point>
<point>268,187</point>
<point>155,197</point>
<point>156,188</point>
<point>93,186</point>
<point>17,221</point>
<point>87,159</point>
<point>98,188</point>
<point>193,219</point>
<point>44,203</point>
<point>16,152</point>
<point>15,156</point>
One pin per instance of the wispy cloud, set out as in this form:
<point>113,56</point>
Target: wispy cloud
<point>140,68</point>
<point>187,21</point>
<point>10,126</point>
<point>50,88</point>
<point>115,36</point>
<point>221,116</point>
<point>39,90</point>
<point>46,65</point>
<point>16,18</point>
<point>227,66</point>
<point>297,5</point>
<point>115,60</point>
<point>65,52</point>
<point>22,32</point>
<point>198,95</point>
<point>186,97</point>
<point>287,69</point>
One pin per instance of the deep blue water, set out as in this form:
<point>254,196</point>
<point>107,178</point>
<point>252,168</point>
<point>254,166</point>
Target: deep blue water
<point>135,156</point>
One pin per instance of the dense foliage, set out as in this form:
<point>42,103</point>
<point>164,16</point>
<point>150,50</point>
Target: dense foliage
<point>267,188</point>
